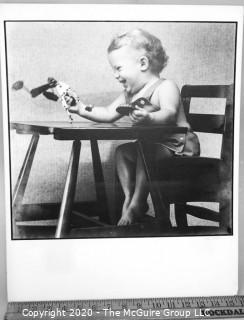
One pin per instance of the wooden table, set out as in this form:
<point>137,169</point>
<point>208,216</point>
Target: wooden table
<point>77,132</point>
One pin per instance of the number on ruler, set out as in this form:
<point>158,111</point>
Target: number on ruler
<point>156,305</point>
<point>64,308</point>
<point>171,304</point>
<point>139,305</point>
<point>34,307</point>
<point>94,307</point>
<point>215,303</point>
<point>186,304</point>
<point>230,303</point>
<point>124,306</point>
<point>201,304</point>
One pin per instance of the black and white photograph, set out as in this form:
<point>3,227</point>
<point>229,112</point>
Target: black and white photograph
<point>121,128</point>
<point>121,150</point>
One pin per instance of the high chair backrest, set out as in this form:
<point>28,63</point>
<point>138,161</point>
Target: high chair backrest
<point>212,123</point>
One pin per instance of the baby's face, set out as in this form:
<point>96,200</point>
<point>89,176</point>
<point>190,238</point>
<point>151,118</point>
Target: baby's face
<point>126,65</point>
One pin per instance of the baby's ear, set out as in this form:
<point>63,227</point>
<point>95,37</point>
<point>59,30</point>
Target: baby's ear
<point>144,63</point>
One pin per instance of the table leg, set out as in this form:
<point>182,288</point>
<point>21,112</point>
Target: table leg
<point>20,187</point>
<point>69,191</point>
<point>99,182</point>
<point>161,207</point>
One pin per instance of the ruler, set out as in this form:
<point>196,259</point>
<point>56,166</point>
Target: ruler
<point>222,307</point>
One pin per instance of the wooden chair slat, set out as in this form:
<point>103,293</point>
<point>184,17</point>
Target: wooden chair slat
<point>207,123</point>
<point>205,91</point>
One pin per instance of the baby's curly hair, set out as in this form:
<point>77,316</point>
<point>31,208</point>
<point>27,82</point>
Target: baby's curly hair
<point>141,39</point>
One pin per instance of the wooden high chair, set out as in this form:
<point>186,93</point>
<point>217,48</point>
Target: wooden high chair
<point>184,180</point>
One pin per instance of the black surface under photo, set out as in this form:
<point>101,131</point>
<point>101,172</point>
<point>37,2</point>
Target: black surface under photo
<point>64,169</point>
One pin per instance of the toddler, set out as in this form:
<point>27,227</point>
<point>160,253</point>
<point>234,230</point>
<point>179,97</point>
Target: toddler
<point>137,59</point>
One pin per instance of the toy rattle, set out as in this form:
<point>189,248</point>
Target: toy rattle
<point>63,91</point>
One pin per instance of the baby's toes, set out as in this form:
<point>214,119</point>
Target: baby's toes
<point>124,221</point>
<point>121,222</point>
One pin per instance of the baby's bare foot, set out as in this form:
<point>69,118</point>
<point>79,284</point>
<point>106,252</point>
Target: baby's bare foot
<point>132,214</point>
<point>128,217</point>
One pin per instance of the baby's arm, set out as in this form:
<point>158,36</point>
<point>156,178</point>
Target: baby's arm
<point>169,101</point>
<point>168,98</point>
<point>99,114</point>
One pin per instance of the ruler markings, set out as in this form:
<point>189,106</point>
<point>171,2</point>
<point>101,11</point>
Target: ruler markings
<point>225,307</point>
<point>150,302</point>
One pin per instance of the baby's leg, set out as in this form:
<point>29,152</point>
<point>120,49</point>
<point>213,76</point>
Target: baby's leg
<point>138,204</point>
<point>125,158</point>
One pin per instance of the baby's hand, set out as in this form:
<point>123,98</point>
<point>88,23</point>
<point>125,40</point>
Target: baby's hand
<point>70,101</point>
<point>73,106</point>
<point>139,115</point>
